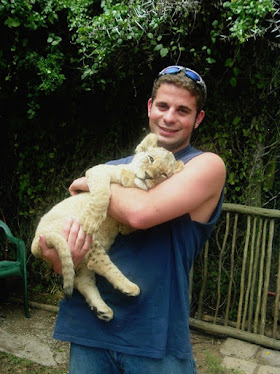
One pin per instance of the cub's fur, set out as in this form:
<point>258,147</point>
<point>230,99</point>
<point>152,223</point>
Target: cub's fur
<point>150,166</point>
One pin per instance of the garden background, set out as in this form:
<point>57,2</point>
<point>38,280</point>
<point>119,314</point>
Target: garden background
<point>75,77</point>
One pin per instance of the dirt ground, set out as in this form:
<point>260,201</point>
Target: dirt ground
<point>32,339</point>
<point>202,344</point>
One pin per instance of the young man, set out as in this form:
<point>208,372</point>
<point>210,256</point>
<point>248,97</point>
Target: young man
<point>150,333</point>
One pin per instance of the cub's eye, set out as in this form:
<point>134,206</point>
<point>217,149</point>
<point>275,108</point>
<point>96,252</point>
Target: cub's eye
<point>164,175</point>
<point>151,159</point>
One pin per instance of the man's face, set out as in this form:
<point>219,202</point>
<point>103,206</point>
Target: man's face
<point>172,116</point>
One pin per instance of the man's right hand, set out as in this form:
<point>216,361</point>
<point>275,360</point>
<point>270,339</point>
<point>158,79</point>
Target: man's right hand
<point>78,242</point>
<point>79,185</point>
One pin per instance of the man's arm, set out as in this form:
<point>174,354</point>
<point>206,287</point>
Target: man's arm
<point>195,190</point>
<point>79,185</point>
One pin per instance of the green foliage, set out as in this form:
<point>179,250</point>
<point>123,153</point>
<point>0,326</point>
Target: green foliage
<point>214,366</point>
<point>126,30</point>
<point>75,76</point>
<point>246,17</point>
<point>51,40</point>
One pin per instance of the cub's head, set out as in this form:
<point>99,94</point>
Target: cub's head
<point>153,164</point>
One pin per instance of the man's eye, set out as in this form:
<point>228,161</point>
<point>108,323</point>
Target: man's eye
<point>162,106</point>
<point>151,159</point>
<point>183,111</point>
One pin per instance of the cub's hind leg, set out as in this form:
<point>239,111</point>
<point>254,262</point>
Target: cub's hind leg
<point>99,262</point>
<point>85,283</point>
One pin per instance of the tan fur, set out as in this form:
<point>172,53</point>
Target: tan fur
<point>150,166</point>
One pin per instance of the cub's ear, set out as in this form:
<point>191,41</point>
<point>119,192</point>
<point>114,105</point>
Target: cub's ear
<point>149,141</point>
<point>179,165</point>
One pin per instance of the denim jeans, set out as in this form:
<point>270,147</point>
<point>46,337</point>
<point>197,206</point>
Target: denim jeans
<point>88,360</point>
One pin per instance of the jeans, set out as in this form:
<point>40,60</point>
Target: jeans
<point>88,360</point>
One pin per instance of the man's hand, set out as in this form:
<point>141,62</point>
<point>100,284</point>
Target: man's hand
<point>79,185</point>
<point>78,242</point>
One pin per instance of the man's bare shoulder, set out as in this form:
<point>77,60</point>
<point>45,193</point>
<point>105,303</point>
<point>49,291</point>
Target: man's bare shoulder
<point>207,163</point>
<point>208,156</point>
<point>209,174</point>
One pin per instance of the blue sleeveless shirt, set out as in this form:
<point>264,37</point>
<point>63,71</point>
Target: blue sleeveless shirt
<point>159,260</point>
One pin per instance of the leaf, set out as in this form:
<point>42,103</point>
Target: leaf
<point>215,23</point>
<point>229,62</point>
<point>236,120</point>
<point>233,82</point>
<point>12,22</point>
<point>210,60</point>
<point>164,52</point>
<point>158,47</point>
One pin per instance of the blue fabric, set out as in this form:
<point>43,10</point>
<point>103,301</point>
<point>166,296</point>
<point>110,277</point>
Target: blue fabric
<point>89,360</point>
<point>155,323</point>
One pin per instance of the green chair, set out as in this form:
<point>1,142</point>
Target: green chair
<point>16,267</point>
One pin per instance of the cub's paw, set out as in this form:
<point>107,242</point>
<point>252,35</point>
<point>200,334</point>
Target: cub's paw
<point>140,183</point>
<point>105,313</point>
<point>127,178</point>
<point>131,289</point>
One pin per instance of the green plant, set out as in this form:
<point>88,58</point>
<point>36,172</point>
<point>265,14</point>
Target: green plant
<point>214,366</point>
<point>65,64</point>
<point>12,364</point>
<point>246,17</point>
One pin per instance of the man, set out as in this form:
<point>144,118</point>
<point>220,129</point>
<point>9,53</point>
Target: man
<point>149,333</point>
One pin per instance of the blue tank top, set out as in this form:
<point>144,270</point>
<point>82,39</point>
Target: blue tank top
<point>159,260</point>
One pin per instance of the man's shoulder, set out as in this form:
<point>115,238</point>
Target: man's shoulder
<point>213,158</point>
<point>125,160</point>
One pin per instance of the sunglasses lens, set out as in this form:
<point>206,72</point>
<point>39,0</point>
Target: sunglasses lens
<point>171,70</point>
<point>192,75</point>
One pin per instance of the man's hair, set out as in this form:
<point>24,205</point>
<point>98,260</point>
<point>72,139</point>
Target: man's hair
<point>182,81</point>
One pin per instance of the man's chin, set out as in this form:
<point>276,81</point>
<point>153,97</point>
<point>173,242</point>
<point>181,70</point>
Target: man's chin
<point>165,143</point>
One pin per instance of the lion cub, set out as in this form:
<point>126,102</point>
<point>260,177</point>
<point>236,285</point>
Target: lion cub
<point>150,166</point>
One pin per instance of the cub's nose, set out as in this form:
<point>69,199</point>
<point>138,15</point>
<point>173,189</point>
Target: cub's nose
<point>147,175</point>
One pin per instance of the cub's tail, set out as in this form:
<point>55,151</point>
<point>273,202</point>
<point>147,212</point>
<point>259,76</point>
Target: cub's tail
<point>56,241</point>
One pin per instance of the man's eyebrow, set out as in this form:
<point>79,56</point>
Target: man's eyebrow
<point>180,107</point>
<point>184,107</point>
<point>161,102</point>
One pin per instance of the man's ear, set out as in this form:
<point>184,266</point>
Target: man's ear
<point>199,118</point>
<point>149,106</point>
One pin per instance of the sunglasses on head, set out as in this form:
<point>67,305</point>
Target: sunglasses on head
<point>194,76</point>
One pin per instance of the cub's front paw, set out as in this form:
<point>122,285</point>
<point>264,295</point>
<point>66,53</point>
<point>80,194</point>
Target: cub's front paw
<point>140,184</point>
<point>105,313</point>
<point>130,289</point>
<point>127,178</point>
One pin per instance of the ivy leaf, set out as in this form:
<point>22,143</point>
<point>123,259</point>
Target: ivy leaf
<point>229,62</point>
<point>158,47</point>
<point>164,52</point>
<point>233,82</point>
<point>12,22</point>
<point>236,120</point>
